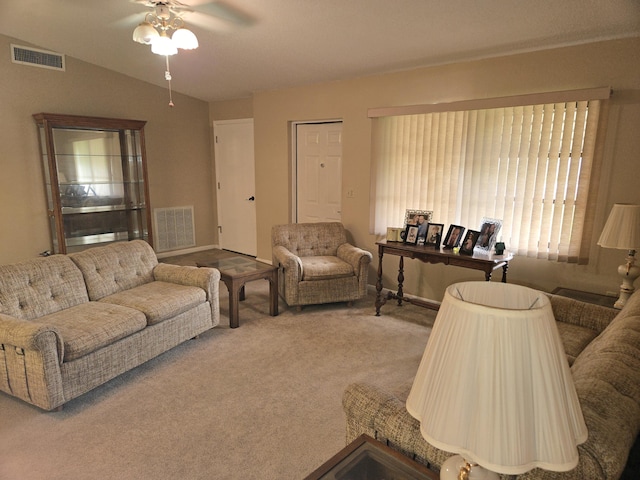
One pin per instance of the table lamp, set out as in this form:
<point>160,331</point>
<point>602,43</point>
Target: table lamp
<point>622,231</point>
<point>494,385</point>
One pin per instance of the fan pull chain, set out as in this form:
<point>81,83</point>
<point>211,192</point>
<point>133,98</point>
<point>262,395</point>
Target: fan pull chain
<point>167,77</point>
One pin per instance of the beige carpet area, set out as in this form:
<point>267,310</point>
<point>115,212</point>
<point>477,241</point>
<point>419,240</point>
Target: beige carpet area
<point>262,401</point>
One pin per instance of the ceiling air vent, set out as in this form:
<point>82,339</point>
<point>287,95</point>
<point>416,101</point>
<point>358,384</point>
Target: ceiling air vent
<point>37,58</point>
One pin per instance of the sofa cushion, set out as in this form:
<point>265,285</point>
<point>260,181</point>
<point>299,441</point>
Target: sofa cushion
<point>116,267</point>
<point>159,300</point>
<point>324,268</point>
<point>40,286</point>
<point>574,339</point>
<point>93,325</point>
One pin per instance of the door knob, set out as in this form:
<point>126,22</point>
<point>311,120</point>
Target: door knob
<point>251,198</point>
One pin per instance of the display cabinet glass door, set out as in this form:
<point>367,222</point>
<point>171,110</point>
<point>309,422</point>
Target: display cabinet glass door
<point>95,179</point>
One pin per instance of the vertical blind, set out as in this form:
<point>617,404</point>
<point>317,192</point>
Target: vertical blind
<point>527,165</point>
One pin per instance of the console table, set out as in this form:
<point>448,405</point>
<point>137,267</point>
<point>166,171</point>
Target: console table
<point>429,254</point>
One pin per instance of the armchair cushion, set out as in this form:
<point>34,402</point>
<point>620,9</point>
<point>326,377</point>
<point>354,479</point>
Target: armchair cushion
<point>324,267</point>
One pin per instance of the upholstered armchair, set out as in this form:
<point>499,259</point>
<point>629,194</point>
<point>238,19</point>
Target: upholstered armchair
<point>317,265</point>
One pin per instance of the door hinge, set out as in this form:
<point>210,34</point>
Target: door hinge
<point>220,228</point>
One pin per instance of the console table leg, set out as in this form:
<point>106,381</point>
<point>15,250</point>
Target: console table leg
<point>487,276</point>
<point>505,267</point>
<point>400,280</point>
<point>379,298</point>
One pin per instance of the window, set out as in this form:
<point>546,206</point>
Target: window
<point>527,163</point>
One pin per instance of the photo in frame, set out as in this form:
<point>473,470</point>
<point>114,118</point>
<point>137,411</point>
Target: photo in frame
<point>412,217</point>
<point>489,230</point>
<point>411,234</point>
<point>469,241</point>
<point>420,218</point>
<point>454,236</point>
<point>434,234</point>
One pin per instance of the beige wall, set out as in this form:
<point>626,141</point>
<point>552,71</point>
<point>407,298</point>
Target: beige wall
<point>177,139</point>
<point>180,151</point>
<point>613,63</point>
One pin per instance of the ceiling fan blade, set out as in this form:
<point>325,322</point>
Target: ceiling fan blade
<point>224,11</point>
<point>129,21</point>
<point>207,22</point>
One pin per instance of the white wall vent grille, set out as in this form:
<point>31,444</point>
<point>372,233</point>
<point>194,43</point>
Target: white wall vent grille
<point>37,58</point>
<point>174,228</point>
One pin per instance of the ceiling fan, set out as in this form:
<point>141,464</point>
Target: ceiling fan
<point>166,16</point>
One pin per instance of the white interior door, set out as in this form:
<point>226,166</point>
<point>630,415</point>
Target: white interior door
<point>319,172</point>
<point>235,176</point>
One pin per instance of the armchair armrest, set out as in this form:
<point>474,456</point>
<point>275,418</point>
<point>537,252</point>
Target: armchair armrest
<point>290,262</point>
<point>206,278</point>
<point>358,258</point>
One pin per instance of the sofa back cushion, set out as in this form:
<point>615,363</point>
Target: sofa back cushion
<point>40,286</point>
<point>116,267</point>
<point>309,239</point>
<point>607,379</point>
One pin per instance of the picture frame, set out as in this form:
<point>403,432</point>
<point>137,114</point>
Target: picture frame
<point>469,242</point>
<point>489,230</point>
<point>454,236</point>
<point>420,218</point>
<point>394,234</point>
<point>411,217</point>
<point>411,234</point>
<point>434,234</point>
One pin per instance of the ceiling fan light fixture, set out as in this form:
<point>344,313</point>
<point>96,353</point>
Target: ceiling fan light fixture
<point>145,33</point>
<point>185,39</point>
<point>163,45</point>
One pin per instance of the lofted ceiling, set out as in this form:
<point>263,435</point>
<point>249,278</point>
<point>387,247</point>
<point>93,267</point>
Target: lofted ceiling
<point>254,45</point>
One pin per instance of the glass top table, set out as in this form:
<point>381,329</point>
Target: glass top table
<point>235,272</point>
<point>369,459</point>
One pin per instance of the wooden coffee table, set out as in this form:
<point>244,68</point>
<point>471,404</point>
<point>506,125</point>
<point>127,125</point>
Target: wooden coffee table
<point>235,272</point>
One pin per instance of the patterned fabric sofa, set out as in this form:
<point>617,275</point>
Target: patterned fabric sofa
<point>317,265</point>
<point>69,323</point>
<point>603,349</point>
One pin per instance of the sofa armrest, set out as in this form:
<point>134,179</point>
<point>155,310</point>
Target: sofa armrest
<point>206,278</point>
<point>582,314</point>
<point>382,415</point>
<point>30,335</point>
<point>31,356</point>
<point>358,258</point>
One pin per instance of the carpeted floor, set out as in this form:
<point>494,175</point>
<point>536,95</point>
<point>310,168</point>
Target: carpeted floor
<point>262,401</point>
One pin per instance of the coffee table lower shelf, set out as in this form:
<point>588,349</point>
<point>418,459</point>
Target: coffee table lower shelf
<point>369,459</point>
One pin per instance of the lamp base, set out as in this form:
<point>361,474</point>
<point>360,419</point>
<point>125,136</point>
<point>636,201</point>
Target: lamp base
<point>457,468</point>
<point>628,272</point>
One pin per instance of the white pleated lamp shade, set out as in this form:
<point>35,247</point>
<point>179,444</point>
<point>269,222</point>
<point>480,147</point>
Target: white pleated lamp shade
<point>494,383</point>
<point>622,230</point>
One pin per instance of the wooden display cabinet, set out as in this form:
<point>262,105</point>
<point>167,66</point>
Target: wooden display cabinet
<point>95,180</point>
